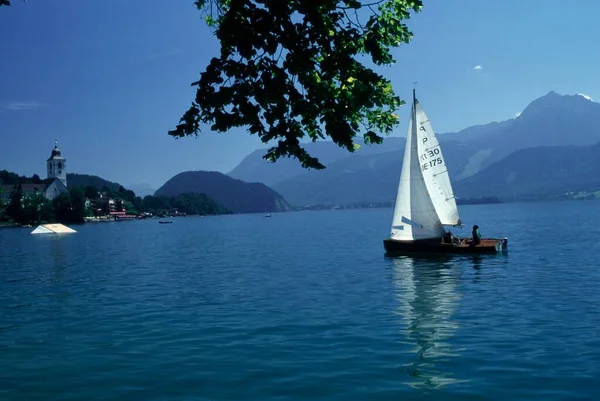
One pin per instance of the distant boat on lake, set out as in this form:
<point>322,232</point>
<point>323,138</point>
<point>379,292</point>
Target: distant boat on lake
<point>425,202</point>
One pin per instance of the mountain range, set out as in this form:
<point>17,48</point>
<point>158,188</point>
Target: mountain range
<point>545,151</point>
<point>538,173</point>
<point>549,151</point>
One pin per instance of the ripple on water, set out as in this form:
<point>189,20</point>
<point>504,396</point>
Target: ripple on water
<point>242,307</point>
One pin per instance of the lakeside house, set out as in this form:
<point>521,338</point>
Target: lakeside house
<point>103,205</point>
<point>55,184</point>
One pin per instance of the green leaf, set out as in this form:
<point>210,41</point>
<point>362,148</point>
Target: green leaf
<point>294,69</point>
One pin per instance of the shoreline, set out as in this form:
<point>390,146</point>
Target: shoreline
<point>89,220</point>
<point>382,205</point>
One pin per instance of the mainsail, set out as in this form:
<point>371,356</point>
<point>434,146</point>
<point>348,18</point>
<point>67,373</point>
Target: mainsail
<point>435,170</point>
<point>415,216</point>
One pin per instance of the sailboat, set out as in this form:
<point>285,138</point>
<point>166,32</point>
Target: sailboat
<point>425,201</point>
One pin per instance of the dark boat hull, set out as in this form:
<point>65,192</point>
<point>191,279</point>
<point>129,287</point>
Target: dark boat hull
<point>463,246</point>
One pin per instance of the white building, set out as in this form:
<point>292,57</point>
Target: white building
<point>56,166</point>
<point>55,185</point>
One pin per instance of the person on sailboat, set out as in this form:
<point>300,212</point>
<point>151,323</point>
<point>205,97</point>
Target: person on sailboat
<point>476,236</point>
<point>449,238</point>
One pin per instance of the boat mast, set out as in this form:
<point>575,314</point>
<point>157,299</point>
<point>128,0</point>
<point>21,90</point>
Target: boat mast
<point>414,105</point>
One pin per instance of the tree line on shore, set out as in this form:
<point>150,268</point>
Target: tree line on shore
<point>80,202</point>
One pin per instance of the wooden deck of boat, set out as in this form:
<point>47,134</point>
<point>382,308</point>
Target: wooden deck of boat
<point>467,244</point>
<point>459,245</point>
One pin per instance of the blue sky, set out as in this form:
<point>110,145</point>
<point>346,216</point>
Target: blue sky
<point>109,78</point>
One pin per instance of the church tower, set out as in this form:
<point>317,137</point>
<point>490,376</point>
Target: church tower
<point>57,165</point>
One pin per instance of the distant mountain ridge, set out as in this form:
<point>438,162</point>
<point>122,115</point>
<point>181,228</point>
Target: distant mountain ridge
<point>253,168</point>
<point>551,120</point>
<point>83,180</point>
<point>236,195</point>
<point>537,173</point>
<point>141,189</point>
<point>475,155</point>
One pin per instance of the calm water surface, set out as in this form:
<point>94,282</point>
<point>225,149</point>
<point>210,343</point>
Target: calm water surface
<point>302,306</point>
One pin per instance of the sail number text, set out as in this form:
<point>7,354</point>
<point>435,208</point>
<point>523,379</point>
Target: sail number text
<point>431,158</point>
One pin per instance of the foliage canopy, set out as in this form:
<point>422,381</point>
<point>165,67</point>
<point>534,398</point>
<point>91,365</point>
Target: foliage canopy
<point>293,69</point>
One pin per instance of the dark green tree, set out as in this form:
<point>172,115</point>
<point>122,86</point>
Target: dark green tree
<point>138,204</point>
<point>293,69</point>
<point>63,208</point>
<point>126,194</point>
<point>36,179</point>
<point>29,209</point>
<point>15,208</point>
<point>105,207</point>
<point>77,196</point>
<point>47,211</point>
<point>109,192</point>
<point>36,209</point>
<point>157,204</point>
<point>91,192</point>
<point>6,2</point>
<point>197,204</point>
<point>70,207</point>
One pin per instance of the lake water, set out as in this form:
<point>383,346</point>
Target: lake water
<point>302,306</point>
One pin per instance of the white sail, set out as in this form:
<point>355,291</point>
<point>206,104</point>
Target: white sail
<point>414,214</point>
<point>435,170</point>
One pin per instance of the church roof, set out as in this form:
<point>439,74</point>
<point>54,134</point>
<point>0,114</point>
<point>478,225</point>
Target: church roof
<point>6,189</point>
<point>27,188</point>
<point>55,155</point>
<point>60,184</point>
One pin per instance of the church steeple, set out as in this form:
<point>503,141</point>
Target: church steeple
<point>57,165</point>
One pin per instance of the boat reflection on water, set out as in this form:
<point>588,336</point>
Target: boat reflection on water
<point>426,289</point>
